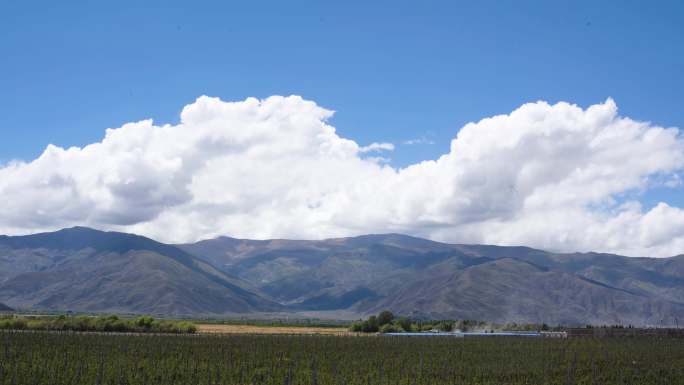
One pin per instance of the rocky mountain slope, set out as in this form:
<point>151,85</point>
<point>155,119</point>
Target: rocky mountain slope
<point>421,278</point>
<point>82,269</point>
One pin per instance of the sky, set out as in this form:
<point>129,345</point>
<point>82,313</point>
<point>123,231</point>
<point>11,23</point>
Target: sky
<point>398,83</point>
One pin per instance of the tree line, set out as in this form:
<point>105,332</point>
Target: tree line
<point>387,322</point>
<point>143,324</point>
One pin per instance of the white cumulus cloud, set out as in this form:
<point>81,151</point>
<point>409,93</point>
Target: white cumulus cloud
<point>548,176</point>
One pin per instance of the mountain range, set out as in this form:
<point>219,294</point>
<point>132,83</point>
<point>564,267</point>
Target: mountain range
<point>86,270</point>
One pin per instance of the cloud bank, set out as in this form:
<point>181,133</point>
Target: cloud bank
<point>547,176</point>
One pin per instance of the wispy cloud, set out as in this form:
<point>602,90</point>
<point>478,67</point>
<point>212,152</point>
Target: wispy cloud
<point>421,140</point>
<point>377,147</point>
<point>674,181</point>
<point>379,159</point>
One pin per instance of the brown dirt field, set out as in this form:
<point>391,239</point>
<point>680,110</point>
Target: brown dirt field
<point>250,329</point>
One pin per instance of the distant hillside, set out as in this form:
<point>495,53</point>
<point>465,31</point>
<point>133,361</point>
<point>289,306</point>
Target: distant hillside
<point>5,308</point>
<point>82,269</point>
<point>422,278</point>
<point>87,270</point>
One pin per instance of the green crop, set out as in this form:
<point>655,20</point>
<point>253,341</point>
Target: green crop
<point>33,357</point>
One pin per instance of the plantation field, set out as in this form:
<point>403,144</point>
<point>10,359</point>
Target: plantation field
<point>30,357</point>
<point>254,329</point>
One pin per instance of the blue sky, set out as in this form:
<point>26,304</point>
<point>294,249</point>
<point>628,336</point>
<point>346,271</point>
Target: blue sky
<point>394,71</point>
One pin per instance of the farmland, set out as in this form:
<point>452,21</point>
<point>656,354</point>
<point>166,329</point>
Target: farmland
<point>32,357</point>
<point>258,329</point>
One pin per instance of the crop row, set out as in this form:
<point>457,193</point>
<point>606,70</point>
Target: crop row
<point>80,358</point>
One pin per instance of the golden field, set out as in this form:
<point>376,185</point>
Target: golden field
<point>252,329</point>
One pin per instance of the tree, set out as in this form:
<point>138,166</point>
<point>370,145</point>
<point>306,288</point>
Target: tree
<point>357,327</point>
<point>371,325</point>
<point>385,317</point>
<point>389,328</point>
<point>405,323</point>
<point>446,326</point>
<point>144,322</point>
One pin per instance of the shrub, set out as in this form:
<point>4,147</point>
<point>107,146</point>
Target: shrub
<point>405,323</point>
<point>385,317</point>
<point>101,324</point>
<point>356,327</point>
<point>445,326</point>
<point>13,324</point>
<point>426,327</point>
<point>388,328</point>
<point>370,325</point>
<point>144,322</point>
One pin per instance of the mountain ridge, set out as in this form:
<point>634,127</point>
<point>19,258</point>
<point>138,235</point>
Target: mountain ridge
<point>76,255</point>
<point>86,269</point>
